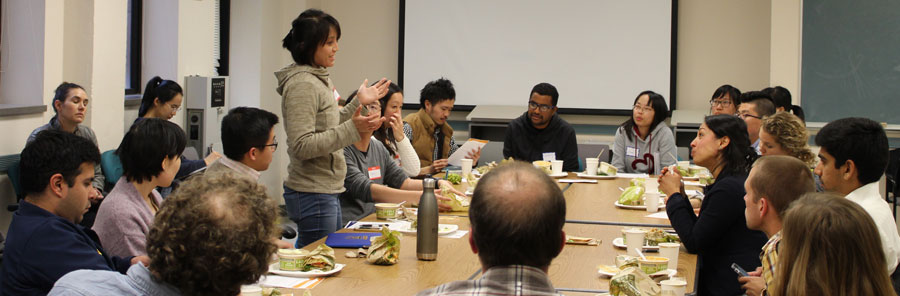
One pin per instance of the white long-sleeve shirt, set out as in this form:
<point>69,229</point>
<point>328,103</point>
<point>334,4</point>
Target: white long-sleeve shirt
<point>405,156</point>
<point>870,200</point>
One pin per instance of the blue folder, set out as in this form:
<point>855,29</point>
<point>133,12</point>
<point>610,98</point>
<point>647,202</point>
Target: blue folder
<point>350,239</point>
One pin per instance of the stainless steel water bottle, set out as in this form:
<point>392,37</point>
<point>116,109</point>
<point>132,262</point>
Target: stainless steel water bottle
<point>427,229</point>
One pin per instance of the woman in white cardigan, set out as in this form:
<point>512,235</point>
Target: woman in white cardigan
<point>391,132</point>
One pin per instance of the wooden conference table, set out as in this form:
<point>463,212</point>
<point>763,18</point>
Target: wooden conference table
<point>590,213</point>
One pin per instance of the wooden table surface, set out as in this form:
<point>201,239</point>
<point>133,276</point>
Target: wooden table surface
<point>576,267</point>
<point>589,208</point>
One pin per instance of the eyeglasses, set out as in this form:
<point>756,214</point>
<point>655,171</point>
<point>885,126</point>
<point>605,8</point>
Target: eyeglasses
<point>374,107</point>
<point>542,107</point>
<point>723,103</point>
<point>645,109</point>
<point>274,144</point>
<point>745,115</point>
<point>175,107</point>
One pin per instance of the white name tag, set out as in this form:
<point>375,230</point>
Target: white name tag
<point>337,96</point>
<point>374,173</point>
<point>631,152</point>
<point>549,156</point>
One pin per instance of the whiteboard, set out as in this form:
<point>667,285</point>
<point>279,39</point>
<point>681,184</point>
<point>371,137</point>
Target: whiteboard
<point>598,53</point>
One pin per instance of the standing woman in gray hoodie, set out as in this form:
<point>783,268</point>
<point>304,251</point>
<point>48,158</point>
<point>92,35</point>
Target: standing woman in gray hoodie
<point>317,129</point>
<point>644,143</point>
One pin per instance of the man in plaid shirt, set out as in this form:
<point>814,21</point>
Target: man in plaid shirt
<point>774,182</point>
<point>517,215</point>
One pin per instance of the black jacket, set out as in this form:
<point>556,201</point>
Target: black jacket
<point>524,142</point>
<point>719,235</point>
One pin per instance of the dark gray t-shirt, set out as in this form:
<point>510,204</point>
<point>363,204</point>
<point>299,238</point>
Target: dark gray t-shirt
<point>364,169</point>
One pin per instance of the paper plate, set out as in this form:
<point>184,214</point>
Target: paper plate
<point>662,205</point>
<point>442,229</point>
<point>611,270</point>
<point>620,243</point>
<point>274,268</point>
<point>584,175</point>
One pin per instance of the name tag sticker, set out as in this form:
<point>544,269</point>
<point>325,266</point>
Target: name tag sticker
<point>375,173</point>
<point>631,151</point>
<point>549,156</point>
<point>337,96</point>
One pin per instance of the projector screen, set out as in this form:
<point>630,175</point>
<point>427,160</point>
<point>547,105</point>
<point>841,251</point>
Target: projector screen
<point>598,53</point>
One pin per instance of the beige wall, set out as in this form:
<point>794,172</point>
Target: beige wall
<point>368,45</point>
<point>785,46</point>
<point>721,42</point>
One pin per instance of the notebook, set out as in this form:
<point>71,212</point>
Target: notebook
<point>350,239</point>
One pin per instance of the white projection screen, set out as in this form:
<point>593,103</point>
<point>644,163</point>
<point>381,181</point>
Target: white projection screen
<point>598,53</point>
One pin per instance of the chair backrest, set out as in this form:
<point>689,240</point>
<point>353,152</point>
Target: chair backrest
<point>492,151</point>
<point>112,168</point>
<point>589,150</point>
<point>15,177</point>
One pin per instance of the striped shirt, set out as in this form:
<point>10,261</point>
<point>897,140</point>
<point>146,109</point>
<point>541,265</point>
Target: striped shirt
<point>500,280</point>
<point>769,258</point>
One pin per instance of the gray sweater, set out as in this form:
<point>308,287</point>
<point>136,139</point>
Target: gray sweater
<point>317,129</point>
<point>644,156</point>
<point>81,131</point>
<point>375,166</point>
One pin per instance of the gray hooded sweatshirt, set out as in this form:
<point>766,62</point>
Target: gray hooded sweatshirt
<point>317,129</point>
<point>644,156</point>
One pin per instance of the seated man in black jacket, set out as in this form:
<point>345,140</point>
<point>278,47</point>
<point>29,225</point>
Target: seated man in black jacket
<point>44,241</point>
<point>540,134</point>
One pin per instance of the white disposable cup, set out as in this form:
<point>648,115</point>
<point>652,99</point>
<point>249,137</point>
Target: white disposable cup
<point>254,289</point>
<point>651,185</point>
<point>634,240</point>
<point>591,166</point>
<point>466,167</point>
<point>556,166</point>
<point>670,250</point>
<point>684,164</point>
<point>651,201</point>
<point>676,287</point>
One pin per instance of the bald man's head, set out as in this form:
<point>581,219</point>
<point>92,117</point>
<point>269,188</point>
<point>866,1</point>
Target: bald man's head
<point>517,214</point>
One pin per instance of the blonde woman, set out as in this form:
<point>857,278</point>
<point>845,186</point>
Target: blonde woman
<point>783,133</point>
<point>830,246</point>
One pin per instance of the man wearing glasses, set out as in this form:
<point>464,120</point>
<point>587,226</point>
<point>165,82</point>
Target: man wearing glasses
<point>540,134</point>
<point>248,140</point>
<point>754,106</point>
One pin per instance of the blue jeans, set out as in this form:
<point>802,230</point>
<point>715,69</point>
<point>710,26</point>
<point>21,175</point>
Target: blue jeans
<point>316,214</point>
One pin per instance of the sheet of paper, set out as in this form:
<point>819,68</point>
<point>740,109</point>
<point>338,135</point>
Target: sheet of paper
<point>659,215</point>
<point>289,282</point>
<point>627,175</point>
<point>471,145</point>
<point>691,192</point>
<point>576,181</point>
<point>456,234</point>
<point>376,226</point>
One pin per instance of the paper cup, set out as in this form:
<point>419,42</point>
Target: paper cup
<point>254,289</point>
<point>386,210</point>
<point>651,185</point>
<point>590,166</point>
<point>466,167</point>
<point>556,166</point>
<point>673,287</point>
<point>670,250</point>
<point>634,240</point>
<point>651,201</point>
